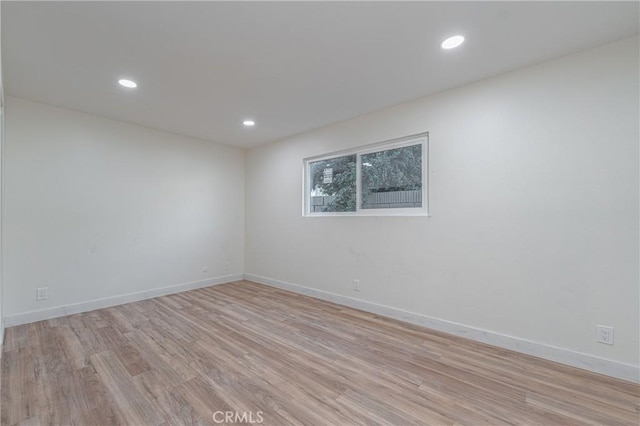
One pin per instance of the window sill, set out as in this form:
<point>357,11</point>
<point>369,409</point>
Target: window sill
<point>399,214</point>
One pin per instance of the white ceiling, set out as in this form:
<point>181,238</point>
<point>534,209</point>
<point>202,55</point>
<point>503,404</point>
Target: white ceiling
<point>203,67</point>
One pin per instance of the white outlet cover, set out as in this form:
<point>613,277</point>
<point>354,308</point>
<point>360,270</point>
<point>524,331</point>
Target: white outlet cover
<point>41,293</point>
<point>604,334</point>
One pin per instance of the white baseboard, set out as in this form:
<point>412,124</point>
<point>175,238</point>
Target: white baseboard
<point>608,367</point>
<point>91,305</point>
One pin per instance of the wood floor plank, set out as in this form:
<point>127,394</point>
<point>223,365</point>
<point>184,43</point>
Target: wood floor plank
<point>18,375</point>
<point>129,403</point>
<point>171,372</point>
<point>249,348</point>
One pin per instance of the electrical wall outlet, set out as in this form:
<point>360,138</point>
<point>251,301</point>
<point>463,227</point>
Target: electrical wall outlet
<point>42,293</point>
<point>604,334</point>
<point>205,269</point>
<point>227,266</point>
<point>356,285</point>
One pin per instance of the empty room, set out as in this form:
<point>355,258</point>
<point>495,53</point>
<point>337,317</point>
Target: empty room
<point>319,213</point>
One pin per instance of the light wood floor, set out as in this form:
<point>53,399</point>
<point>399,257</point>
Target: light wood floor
<point>249,348</point>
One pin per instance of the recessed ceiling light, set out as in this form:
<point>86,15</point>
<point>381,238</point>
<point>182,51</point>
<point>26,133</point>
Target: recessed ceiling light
<point>127,83</point>
<point>452,42</point>
<point>249,123</point>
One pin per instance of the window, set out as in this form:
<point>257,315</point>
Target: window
<point>333,184</point>
<point>382,179</point>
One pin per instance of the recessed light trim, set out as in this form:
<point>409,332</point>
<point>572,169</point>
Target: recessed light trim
<point>249,123</point>
<point>129,84</point>
<point>452,42</point>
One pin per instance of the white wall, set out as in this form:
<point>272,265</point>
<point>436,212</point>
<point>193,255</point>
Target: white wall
<point>97,208</point>
<point>534,203</point>
<point>1,180</point>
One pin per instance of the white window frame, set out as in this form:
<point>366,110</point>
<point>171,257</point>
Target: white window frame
<point>420,138</point>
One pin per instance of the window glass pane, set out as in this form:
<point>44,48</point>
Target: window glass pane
<point>392,178</point>
<point>333,185</point>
